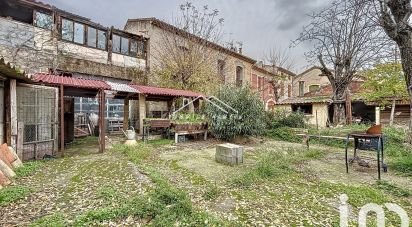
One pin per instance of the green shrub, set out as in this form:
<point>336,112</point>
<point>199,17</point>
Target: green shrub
<point>283,133</point>
<point>12,193</point>
<point>282,118</point>
<point>250,119</point>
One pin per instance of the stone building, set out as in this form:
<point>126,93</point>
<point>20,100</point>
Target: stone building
<point>307,81</point>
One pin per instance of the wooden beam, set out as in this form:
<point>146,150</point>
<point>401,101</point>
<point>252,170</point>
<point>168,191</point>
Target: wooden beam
<point>102,102</point>
<point>126,114</point>
<point>62,120</point>
<point>13,113</point>
<point>19,145</point>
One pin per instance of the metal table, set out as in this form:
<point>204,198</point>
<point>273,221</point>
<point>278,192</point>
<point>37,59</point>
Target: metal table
<point>378,147</point>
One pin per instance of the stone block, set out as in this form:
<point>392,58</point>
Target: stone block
<point>229,154</point>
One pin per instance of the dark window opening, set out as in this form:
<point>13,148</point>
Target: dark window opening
<point>289,91</point>
<point>301,88</point>
<point>140,48</point>
<point>303,108</point>
<point>133,47</point>
<point>16,12</point>
<point>43,20</point>
<point>221,69</point>
<point>239,76</point>
<point>124,46</point>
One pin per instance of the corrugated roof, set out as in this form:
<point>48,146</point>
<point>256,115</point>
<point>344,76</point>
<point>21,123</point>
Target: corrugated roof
<point>121,87</point>
<point>70,81</point>
<point>164,91</point>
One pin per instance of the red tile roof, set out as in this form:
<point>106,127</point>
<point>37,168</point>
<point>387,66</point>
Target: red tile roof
<point>164,91</point>
<point>354,87</point>
<point>70,81</point>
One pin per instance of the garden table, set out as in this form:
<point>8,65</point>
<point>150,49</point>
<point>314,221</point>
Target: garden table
<point>372,142</point>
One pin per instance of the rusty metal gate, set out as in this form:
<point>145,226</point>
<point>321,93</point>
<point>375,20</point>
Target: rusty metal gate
<point>37,117</point>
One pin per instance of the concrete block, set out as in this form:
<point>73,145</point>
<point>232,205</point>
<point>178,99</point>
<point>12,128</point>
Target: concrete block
<point>229,154</point>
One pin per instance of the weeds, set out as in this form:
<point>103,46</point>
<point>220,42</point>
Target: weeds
<point>393,189</point>
<point>211,192</point>
<point>55,220</point>
<point>28,168</point>
<point>12,193</point>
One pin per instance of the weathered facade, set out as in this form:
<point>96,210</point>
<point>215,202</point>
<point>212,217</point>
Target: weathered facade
<point>307,81</point>
<point>39,38</point>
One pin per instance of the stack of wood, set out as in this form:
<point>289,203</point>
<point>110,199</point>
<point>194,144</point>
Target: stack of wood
<point>8,161</point>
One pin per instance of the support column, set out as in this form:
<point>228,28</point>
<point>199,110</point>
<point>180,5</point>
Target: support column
<point>377,115</point>
<point>13,113</point>
<point>142,111</point>
<point>62,120</point>
<point>102,130</point>
<point>126,114</point>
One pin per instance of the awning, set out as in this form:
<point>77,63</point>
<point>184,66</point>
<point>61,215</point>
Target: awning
<point>121,87</point>
<point>70,81</point>
<point>148,90</point>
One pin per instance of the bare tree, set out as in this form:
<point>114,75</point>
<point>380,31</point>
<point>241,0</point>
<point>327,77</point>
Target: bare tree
<point>279,60</point>
<point>395,19</point>
<point>345,40</point>
<point>186,57</point>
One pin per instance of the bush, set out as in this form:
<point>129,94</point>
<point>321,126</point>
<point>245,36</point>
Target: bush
<point>281,118</point>
<point>283,133</point>
<point>250,119</point>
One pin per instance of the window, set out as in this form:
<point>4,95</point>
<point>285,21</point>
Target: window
<point>289,91</point>
<point>304,108</point>
<point>282,89</point>
<point>133,48</point>
<point>314,87</point>
<point>140,48</point>
<point>239,76</point>
<point>43,20</point>
<point>260,84</point>
<point>78,33</point>
<point>221,70</point>
<point>67,30</point>
<point>101,39</point>
<point>116,43</point>
<point>124,45</point>
<point>301,88</point>
<point>91,37</point>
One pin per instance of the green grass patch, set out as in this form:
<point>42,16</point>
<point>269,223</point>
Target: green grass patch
<point>211,192</point>
<point>28,168</point>
<point>160,142</point>
<point>54,220</point>
<point>136,153</point>
<point>284,134</point>
<point>393,189</point>
<point>273,164</point>
<point>12,193</point>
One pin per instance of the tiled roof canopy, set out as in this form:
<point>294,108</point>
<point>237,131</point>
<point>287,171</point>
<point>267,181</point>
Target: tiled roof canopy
<point>70,81</point>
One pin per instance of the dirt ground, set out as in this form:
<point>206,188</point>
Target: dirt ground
<point>85,180</point>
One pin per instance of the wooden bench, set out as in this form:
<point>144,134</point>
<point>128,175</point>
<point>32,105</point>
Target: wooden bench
<point>306,138</point>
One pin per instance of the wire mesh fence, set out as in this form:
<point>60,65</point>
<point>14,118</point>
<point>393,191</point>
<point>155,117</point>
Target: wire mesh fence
<point>37,110</point>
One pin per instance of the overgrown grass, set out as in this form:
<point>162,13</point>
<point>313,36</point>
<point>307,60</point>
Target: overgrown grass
<point>13,193</point>
<point>393,189</point>
<point>163,205</point>
<point>54,220</point>
<point>272,164</point>
<point>28,168</point>
<point>283,133</point>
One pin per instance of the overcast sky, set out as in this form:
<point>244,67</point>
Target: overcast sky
<point>259,24</point>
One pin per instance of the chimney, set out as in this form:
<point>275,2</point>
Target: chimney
<point>240,50</point>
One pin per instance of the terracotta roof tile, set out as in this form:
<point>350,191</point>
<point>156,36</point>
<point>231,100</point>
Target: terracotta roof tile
<point>70,81</point>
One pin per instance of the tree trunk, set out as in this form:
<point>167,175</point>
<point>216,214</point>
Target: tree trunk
<point>406,57</point>
<point>339,115</point>
<point>392,117</point>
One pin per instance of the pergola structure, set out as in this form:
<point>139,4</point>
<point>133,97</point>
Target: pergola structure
<point>77,87</point>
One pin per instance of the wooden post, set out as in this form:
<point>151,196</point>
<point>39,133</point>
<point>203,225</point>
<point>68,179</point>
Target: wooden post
<point>377,115</point>
<point>126,114</point>
<point>19,145</point>
<point>13,113</point>
<point>102,102</point>
<point>62,120</point>
<point>142,111</point>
